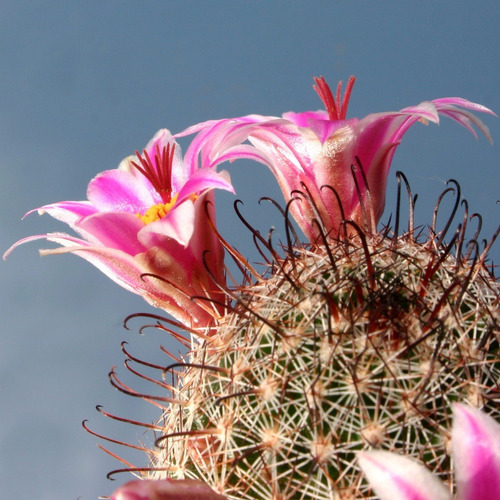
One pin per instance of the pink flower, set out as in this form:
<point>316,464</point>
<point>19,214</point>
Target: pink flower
<point>333,168</point>
<point>476,458</point>
<point>166,489</point>
<point>146,226</point>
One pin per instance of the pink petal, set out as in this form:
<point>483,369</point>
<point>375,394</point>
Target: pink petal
<point>165,489</point>
<point>113,230</point>
<point>466,119</point>
<point>171,290</point>
<point>205,143</point>
<point>377,129</point>
<point>395,477</point>
<point>239,152</point>
<point>425,110</point>
<point>66,211</point>
<point>216,137</point>
<point>476,454</point>
<point>203,180</point>
<point>308,148</point>
<point>120,191</point>
<point>326,128</point>
<point>116,264</point>
<point>37,237</point>
<point>287,149</point>
<point>177,225</point>
<point>304,119</point>
<point>464,103</point>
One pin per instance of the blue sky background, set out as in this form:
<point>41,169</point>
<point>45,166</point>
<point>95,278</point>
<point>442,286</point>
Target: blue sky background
<point>84,84</point>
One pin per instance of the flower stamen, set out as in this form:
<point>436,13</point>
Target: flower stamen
<point>336,107</point>
<point>157,212</point>
<point>158,170</point>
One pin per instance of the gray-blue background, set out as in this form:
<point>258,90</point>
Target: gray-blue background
<point>85,83</point>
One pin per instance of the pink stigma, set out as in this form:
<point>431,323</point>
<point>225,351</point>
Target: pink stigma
<point>158,170</point>
<point>334,106</point>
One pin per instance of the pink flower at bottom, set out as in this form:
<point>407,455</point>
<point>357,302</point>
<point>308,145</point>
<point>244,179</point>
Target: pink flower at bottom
<point>165,489</point>
<point>476,459</point>
<point>147,226</point>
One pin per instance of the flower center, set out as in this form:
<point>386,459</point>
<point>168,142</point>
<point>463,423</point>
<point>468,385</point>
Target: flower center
<point>157,212</point>
<point>158,170</point>
<point>336,107</point>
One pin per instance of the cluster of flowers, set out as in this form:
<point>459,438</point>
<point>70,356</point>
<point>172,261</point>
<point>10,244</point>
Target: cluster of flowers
<point>150,226</point>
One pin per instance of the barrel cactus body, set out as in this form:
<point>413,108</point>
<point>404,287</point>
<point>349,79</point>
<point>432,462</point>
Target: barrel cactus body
<point>346,346</point>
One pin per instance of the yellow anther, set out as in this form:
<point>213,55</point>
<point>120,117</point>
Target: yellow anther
<point>157,212</point>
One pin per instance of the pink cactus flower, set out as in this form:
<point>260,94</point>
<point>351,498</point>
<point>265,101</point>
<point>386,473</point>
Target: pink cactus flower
<point>165,489</point>
<point>334,168</point>
<point>146,226</point>
<point>476,459</point>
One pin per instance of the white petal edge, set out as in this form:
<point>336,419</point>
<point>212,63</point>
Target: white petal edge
<point>395,477</point>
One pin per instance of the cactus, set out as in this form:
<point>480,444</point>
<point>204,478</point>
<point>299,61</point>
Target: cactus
<point>338,347</point>
<point>360,339</point>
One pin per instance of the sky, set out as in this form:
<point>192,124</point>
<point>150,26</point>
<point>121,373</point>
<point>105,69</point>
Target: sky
<point>84,84</point>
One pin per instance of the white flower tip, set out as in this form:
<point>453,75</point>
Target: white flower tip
<point>395,477</point>
<point>469,421</point>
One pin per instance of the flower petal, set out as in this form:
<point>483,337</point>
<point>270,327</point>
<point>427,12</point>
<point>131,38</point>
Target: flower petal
<point>203,180</point>
<point>36,237</point>
<point>121,191</point>
<point>476,454</point>
<point>395,477</point>
<point>165,489</point>
<point>324,129</point>
<point>66,211</point>
<point>113,230</point>
<point>162,276</point>
<point>304,119</point>
<point>426,110</point>
<point>217,136</point>
<point>177,225</point>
